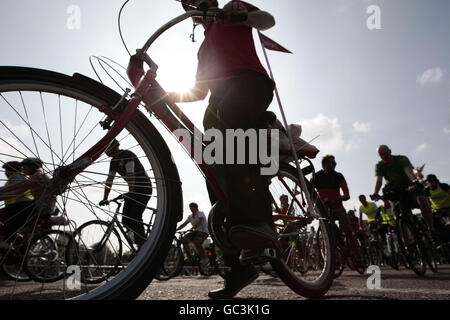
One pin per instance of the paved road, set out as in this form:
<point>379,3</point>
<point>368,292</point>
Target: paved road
<point>395,285</point>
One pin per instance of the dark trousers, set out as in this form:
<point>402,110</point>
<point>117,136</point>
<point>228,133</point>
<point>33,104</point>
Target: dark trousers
<point>238,104</point>
<point>133,208</point>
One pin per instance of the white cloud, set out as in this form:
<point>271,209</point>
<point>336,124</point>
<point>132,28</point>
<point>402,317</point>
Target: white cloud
<point>363,127</point>
<point>422,147</point>
<point>329,131</point>
<point>432,75</point>
<point>447,130</point>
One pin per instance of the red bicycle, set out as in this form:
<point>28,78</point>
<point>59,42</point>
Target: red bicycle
<point>63,118</point>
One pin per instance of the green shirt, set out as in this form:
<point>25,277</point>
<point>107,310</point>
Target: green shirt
<point>394,172</point>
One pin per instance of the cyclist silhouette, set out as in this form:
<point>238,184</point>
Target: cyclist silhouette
<point>131,170</point>
<point>241,91</point>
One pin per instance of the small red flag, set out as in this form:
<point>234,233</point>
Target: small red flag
<point>270,44</point>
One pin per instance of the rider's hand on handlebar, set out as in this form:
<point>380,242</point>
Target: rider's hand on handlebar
<point>103,203</point>
<point>375,197</point>
<point>234,12</point>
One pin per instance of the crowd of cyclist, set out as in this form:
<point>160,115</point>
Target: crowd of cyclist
<point>372,221</point>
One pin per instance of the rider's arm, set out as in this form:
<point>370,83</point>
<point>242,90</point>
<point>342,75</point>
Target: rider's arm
<point>258,19</point>
<point>345,190</point>
<point>378,184</point>
<point>196,93</point>
<point>184,224</point>
<point>409,172</point>
<point>108,184</point>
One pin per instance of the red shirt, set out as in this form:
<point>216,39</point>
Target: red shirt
<point>226,51</point>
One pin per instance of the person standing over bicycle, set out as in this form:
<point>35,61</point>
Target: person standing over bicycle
<point>241,91</point>
<point>328,183</point>
<point>127,164</point>
<point>398,172</point>
<point>198,234</point>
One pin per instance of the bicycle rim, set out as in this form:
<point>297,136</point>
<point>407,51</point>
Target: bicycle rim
<point>313,283</point>
<point>56,118</point>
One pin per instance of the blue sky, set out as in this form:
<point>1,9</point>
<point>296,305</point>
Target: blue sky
<point>356,88</point>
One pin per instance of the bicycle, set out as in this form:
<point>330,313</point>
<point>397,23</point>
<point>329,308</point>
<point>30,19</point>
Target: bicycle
<point>177,259</point>
<point>76,164</point>
<point>37,252</point>
<point>343,254</point>
<point>413,236</point>
<point>99,247</point>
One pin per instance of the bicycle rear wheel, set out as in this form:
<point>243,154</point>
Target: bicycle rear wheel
<point>56,118</point>
<point>98,251</point>
<point>313,283</point>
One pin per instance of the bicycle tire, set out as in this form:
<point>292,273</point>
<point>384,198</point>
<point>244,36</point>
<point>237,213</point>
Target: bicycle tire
<point>339,264</point>
<point>129,283</point>
<point>411,247</point>
<point>174,262</point>
<point>301,284</point>
<point>52,258</point>
<point>91,246</point>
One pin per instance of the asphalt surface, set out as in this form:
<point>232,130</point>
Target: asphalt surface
<point>393,285</point>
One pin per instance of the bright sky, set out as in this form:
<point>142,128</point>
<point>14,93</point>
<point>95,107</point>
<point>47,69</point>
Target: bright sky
<point>354,86</point>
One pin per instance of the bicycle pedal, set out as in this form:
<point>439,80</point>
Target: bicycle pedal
<point>258,256</point>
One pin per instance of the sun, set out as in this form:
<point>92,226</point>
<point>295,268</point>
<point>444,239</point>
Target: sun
<point>175,74</point>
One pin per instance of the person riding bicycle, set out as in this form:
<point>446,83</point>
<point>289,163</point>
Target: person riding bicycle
<point>439,196</point>
<point>369,209</point>
<point>127,164</point>
<point>15,206</point>
<point>198,234</point>
<point>398,172</point>
<point>241,91</point>
<point>387,219</point>
<point>328,183</point>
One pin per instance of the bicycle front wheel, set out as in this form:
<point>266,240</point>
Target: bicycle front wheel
<point>57,118</point>
<point>411,248</point>
<point>313,283</point>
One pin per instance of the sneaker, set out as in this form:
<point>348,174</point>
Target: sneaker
<point>235,281</point>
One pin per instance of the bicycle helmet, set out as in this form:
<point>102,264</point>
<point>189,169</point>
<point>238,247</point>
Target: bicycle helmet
<point>12,166</point>
<point>33,163</point>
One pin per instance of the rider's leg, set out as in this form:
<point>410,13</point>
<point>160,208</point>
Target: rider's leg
<point>344,223</point>
<point>133,209</point>
<point>198,243</point>
<point>426,211</point>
